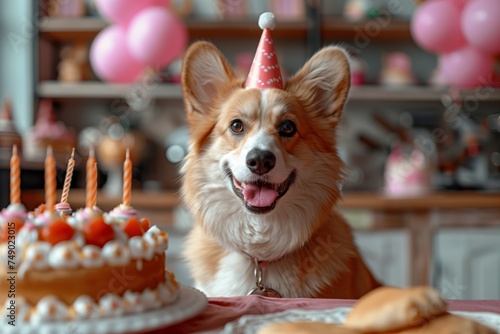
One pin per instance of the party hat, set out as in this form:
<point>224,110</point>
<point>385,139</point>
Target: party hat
<point>265,71</point>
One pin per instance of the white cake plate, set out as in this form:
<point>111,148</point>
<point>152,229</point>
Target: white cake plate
<point>190,303</point>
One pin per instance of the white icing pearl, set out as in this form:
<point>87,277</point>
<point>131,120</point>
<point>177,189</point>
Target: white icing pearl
<point>140,248</point>
<point>22,309</point>
<point>49,308</point>
<point>85,307</point>
<point>64,255</point>
<point>133,302</point>
<point>91,257</point>
<point>151,299</point>
<point>116,253</point>
<point>111,305</point>
<point>157,239</point>
<point>26,236</point>
<point>36,256</point>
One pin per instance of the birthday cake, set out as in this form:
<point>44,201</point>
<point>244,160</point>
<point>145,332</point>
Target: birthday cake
<point>58,265</point>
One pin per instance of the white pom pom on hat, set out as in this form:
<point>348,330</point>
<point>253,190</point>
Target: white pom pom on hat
<point>267,21</point>
<point>265,71</point>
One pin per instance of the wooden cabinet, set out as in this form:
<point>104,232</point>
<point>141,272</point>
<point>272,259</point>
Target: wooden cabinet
<point>387,255</point>
<point>467,263</point>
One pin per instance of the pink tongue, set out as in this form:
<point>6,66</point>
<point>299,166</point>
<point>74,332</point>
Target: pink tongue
<point>259,196</point>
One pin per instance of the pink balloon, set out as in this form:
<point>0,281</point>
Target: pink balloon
<point>459,3</point>
<point>122,11</point>
<point>110,58</point>
<point>436,26</point>
<point>156,37</point>
<point>481,25</point>
<point>467,67</point>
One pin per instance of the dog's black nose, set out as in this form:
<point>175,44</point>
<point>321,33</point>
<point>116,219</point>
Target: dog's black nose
<point>260,162</point>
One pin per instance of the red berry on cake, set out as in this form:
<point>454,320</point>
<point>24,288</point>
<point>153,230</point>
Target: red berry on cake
<point>10,227</point>
<point>133,228</point>
<point>97,232</point>
<point>145,224</point>
<point>56,231</point>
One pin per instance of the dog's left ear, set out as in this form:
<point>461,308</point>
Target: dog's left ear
<point>322,85</point>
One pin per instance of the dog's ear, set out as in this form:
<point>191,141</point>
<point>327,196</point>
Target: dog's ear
<point>205,73</point>
<point>322,85</point>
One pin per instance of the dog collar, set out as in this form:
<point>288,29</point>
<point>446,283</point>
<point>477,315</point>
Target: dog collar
<point>260,288</point>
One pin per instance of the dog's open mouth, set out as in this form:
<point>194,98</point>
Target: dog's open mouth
<point>259,196</point>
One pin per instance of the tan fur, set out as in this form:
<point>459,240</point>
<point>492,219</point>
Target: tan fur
<point>308,242</point>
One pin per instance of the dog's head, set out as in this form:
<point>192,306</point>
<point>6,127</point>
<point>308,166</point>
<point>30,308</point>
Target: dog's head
<point>263,164</point>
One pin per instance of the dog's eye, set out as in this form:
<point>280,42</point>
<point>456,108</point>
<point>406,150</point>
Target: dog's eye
<point>237,126</point>
<point>287,128</point>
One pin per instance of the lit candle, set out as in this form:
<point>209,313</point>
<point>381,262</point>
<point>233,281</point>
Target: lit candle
<point>15,177</point>
<point>50,180</point>
<point>127,179</point>
<point>91,180</point>
<point>69,176</point>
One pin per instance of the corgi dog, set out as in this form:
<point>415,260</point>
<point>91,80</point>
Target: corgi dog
<point>262,180</point>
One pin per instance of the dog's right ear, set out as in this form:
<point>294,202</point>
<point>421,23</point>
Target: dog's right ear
<point>205,75</point>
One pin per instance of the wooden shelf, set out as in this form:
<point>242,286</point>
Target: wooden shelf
<point>358,94</point>
<point>101,90</point>
<point>62,29</point>
<point>374,29</point>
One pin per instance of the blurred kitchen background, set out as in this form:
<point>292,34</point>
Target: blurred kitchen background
<point>423,188</point>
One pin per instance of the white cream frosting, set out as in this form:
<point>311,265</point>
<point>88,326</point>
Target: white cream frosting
<point>13,211</point>
<point>140,248</point>
<point>84,215</point>
<point>26,235</point>
<point>36,256</point>
<point>111,305</point>
<point>116,253</point>
<point>49,308</point>
<point>151,299</point>
<point>120,214</point>
<point>64,255</point>
<point>91,257</point>
<point>157,239</point>
<point>132,302</point>
<point>85,307</point>
<point>22,309</point>
<point>45,218</point>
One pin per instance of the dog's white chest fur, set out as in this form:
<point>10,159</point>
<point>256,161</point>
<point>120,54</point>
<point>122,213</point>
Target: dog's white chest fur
<point>236,277</point>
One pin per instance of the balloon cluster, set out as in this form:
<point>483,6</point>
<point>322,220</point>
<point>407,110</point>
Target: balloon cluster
<point>465,34</point>
<point>145,33</point>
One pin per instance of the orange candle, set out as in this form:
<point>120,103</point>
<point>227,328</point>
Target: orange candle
<point>91,180</point>
<point>69,176</point>
<point>127,179</point>
<point>15,177</point>
<point>50,180</point>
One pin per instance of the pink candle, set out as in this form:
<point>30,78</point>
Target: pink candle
<point>50,180</point>
<point>127,179</point>
<point>15,177</point>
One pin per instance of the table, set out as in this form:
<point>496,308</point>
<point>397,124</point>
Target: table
<point>223,310</point>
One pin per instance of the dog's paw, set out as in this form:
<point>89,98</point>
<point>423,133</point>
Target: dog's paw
<point>305,327</point>
<point>390,309</point>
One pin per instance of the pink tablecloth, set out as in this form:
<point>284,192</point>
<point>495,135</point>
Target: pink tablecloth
<point>223,310</point>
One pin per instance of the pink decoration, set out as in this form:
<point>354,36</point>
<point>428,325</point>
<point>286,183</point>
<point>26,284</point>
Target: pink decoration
<point>265,71</point>
<point>156,37</point>
<point>111,59</point>
<point>467,67</point>
<point>122,11</point>
<point>481,25</point>
<point>436,26</point>
<point>459,3</point>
